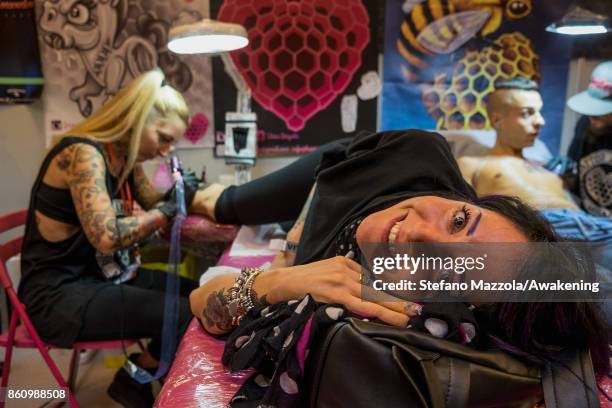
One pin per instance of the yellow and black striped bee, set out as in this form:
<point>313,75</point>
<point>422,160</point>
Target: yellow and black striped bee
<point>433,27</point>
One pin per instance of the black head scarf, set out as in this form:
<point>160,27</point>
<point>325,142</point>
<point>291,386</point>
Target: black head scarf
<point>372,172</point>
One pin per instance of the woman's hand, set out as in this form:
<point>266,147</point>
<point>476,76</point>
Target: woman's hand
<point>334,280</point>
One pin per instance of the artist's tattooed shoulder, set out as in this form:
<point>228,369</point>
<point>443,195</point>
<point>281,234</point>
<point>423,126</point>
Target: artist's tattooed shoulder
<point>86,178</point>
<point>86,174</point>
<point>64,158</point>
<point>81,162</point>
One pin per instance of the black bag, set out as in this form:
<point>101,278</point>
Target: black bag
<point>365,364</point>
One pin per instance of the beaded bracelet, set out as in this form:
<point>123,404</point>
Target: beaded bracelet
<point>240,295</point>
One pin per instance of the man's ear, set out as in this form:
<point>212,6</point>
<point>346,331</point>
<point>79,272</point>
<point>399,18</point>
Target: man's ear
<point>495,119</point>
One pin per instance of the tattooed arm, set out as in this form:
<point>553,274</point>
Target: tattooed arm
<point>334,280</point>
<point>209,302</point>
<point>146,195</point>
<point>85,172</point>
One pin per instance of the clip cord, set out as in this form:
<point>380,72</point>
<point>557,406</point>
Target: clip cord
<point>170,323</point>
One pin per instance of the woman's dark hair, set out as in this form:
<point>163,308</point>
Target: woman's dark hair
<point>528,220</point>
<point>535,328</point>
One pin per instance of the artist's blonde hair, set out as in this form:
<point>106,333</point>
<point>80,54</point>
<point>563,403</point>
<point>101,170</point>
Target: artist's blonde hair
<point>143,100</point>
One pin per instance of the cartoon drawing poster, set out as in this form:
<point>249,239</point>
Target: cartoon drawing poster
<point>311,65</point>
<point>442,58</point>
<point>91,49</point>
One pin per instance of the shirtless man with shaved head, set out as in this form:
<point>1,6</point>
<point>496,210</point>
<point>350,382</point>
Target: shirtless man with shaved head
<point>514,111</point>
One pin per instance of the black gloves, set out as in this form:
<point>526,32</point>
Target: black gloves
<point>168,208</point>
<point>191,183</point>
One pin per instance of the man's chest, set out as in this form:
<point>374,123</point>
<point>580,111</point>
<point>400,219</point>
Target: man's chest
<point>517,173</point>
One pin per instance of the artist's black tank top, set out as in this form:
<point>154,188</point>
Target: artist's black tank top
<point>58,278</point>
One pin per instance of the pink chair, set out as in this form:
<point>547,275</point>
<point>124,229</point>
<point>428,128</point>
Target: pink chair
<point>25,335</point>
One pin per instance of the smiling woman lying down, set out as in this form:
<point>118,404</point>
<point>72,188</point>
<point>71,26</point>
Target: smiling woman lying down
<point>387,188</point>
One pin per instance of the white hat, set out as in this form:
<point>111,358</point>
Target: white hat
<point>597,99</point>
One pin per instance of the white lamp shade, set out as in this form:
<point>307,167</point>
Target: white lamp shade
<point>579,21</point>
<point>207,37</point>
<point>582,29</point>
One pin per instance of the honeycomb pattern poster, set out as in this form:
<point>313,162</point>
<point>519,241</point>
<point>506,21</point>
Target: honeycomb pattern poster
<point>89,50</point>
<point>442,58</point>
<point>311,65</point>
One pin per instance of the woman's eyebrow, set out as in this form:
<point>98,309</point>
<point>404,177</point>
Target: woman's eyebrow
<point>472,229</point>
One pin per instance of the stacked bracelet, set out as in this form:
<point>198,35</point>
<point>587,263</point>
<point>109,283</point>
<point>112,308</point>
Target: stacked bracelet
<point>240,295</point>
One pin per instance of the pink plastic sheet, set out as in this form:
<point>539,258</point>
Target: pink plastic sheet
<point>197,378</point>
<point>197,228</point>
<point>606,387</point>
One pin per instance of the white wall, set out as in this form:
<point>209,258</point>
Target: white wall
<point>22,147</point>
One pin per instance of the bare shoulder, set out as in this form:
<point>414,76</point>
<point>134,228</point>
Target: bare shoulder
<point>81,162</point>
<point>73,158</point>
<point>467,163</point>
<point>468,166</point>
<point>78,154</point>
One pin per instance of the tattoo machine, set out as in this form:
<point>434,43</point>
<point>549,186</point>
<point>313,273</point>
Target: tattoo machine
<point>176,168</point>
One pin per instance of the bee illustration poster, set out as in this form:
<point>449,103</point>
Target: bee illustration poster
<point>311,66</point>
<point>442,58</point>
<point>90,49</point>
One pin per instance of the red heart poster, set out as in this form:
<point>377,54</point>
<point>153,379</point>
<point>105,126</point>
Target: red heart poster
<point>311,66</point>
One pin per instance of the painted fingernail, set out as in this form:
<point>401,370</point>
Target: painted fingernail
<point>414,308</point>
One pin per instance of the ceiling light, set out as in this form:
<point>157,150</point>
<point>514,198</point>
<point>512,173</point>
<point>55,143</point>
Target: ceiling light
<point>207,37</point>
<point>579,21</point>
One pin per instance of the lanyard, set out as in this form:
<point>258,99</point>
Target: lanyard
<point>125,192</point>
